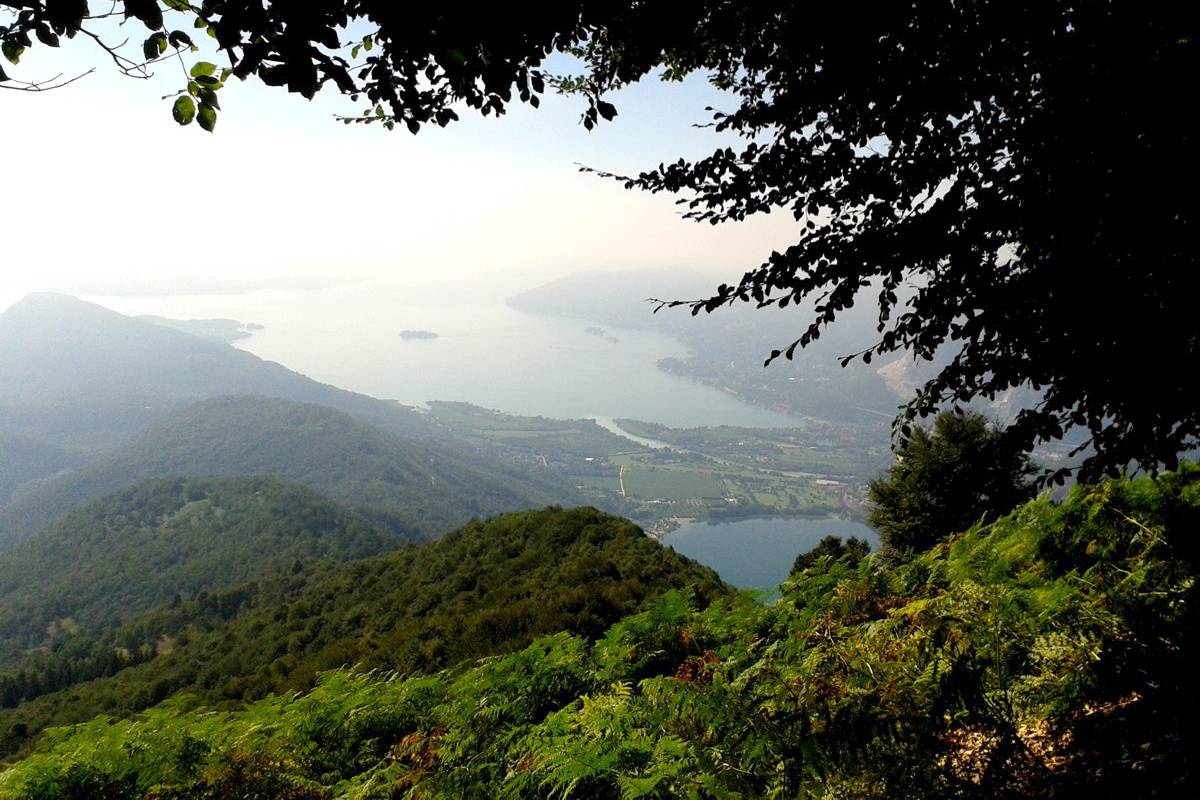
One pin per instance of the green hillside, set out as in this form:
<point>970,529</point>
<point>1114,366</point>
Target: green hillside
<point>110,562</point>
<point>490,587</point>
<point>415,488</point>
<point>24,460</point>
<point>1049,654</point>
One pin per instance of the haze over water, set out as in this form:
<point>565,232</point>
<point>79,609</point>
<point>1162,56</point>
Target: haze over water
<point>486,353</point>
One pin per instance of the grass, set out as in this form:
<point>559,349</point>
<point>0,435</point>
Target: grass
<point>671,483</point>
<point>785,497</point>
<point>603,482</point>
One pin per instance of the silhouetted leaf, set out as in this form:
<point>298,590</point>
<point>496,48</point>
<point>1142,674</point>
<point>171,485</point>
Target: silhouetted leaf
<point>154,46</point>
<point>66,14</point>
<point>207,117</point>
<point>145,10</point>
<point>47,36</point>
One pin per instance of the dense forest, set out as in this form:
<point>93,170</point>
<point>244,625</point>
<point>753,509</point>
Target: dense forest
<point>487,588</point>
<point>1045,653</point>
<point>104,565</point>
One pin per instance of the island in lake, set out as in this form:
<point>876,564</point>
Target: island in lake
<point>418,335</point>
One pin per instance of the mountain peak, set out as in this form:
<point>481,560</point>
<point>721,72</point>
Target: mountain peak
<point>40,302</point>
<point>78,374</point>
<point>51,314</point>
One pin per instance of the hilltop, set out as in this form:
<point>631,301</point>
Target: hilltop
<point>488,588</point>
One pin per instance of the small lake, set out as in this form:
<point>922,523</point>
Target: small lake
<point>757,553</point>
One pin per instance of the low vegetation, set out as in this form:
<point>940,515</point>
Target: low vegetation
<point>490,587</point>
<point>1045,653</point>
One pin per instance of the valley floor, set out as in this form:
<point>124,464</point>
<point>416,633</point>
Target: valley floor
<point>658,475</point>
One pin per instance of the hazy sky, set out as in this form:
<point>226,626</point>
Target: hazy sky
<point>105,194</point>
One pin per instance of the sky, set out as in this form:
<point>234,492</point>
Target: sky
<point>105,195</point>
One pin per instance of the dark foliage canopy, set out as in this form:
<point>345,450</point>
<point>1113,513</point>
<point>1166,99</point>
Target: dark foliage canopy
<point>833,548</point>
<point>1009,182</point>
<point>946,479</point>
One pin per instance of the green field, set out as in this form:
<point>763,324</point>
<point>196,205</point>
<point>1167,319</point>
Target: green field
<point>722,470</point>
<point>785,497</point>
<point>607,483</point>
<point>791,450</point>
<point>670,483</point>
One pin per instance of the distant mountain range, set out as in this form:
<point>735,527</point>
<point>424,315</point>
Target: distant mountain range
<point>82,377</point>
<point>417,489</point>
<point>227,331</point>
<point>742,330</point>
<point>730,345</point>
<point>618,298</point>
<point>93,401</point>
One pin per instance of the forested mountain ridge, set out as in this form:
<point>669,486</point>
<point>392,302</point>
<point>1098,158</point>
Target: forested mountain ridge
<point>415,488</point>
<point>108,563</point>
<point>490,587</point>
<point>1049,654</point>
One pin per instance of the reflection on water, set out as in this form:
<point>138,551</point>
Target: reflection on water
<point>758,553</point>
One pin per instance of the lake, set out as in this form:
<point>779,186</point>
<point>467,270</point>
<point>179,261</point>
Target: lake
<point>485,353</point>
<point>757,553</point>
